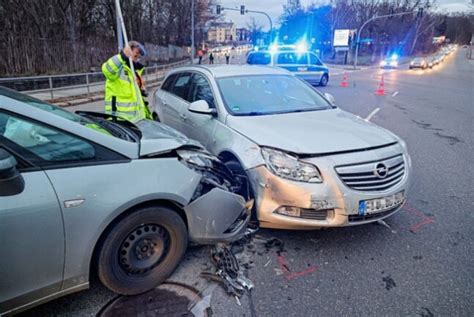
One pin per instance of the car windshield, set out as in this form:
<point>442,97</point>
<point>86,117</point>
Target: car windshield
<point>269,94</point>
<point>88,122</point>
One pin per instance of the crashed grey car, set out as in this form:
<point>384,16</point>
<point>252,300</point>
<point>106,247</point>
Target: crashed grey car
<point>308,163</point>
<point>95,192</point>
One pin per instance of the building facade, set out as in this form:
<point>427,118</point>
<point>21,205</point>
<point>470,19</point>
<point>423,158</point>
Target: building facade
<point>222,32</point>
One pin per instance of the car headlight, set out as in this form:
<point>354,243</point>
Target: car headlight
<point>393,63</point>
<point>383,63</point>
<point>290,167</point>
<point>196,158</point>
<point>412,63</point>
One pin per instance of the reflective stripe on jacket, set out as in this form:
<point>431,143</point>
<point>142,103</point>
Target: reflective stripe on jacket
<point>120,90</point>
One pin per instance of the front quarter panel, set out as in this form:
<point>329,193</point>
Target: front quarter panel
<point>106,191</point>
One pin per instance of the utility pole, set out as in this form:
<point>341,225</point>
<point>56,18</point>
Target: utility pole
<point>192,31</point>
<point>367,22</point>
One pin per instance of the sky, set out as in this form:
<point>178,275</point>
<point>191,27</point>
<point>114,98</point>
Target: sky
<point>274,8</point>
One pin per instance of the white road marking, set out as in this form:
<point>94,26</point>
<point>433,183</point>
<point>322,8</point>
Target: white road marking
<point>372,114</point>
<point>395,93</point>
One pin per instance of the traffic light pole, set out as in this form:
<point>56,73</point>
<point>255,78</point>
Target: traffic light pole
<point>258,12</point>
<point>367,22</point>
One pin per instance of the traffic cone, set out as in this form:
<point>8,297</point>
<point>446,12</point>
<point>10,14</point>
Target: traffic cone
<point>344,82</point>
<point>381,90</point>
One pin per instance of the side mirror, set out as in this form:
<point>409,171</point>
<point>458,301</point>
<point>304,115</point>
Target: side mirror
<point>202,107</point>
<point>330,98</point>
<point>11,181</point>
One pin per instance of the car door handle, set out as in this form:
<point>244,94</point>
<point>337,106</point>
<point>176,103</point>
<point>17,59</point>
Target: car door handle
<point>182,116</point>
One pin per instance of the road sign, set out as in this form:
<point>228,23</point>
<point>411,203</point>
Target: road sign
<point>341,38</point>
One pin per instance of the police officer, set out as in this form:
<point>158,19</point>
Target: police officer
<point>122,94</point>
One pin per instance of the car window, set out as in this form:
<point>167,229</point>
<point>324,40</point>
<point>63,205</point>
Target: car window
<point>35,140</point>
<point>269,94</point>
<point>201,90</point>
<point>168,82</point>
<point>314,60</point>
<point>291,58</point>
<point>181,85</point>
<point>259,58</point>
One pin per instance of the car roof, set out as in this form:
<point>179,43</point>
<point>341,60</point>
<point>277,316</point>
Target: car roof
<point>219,71</point>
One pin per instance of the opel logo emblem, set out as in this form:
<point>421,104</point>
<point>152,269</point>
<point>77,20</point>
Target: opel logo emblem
<point>381,170</point>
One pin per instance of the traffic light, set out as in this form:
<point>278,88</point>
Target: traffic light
<point>242,9</point>
<point>218,9</point>
<point>420,13</point>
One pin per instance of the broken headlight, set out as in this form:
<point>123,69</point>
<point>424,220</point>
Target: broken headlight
<point>195,158</point>
<point>290,167</point>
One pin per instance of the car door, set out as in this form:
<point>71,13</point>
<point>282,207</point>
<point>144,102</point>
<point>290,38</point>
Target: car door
<point>175,99</point>
<point>87,180</point>
<point>31,228</point>
<point>315,65</point>
<point>199,126</point>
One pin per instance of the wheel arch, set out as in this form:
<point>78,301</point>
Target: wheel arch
<point>172,204</point>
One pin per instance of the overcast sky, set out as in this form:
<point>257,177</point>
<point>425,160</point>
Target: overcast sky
<point>274,8</point>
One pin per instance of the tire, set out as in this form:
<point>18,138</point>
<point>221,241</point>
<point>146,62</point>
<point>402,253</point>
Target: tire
<point>142,250</point>
<point>324,80</point>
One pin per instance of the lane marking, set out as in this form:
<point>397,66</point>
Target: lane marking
<point>395,93</point>
<point>372,114</point>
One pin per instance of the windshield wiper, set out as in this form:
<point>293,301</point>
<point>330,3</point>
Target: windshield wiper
<point>114,128</point>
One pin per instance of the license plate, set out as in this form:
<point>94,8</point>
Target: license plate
<point>376,205</point>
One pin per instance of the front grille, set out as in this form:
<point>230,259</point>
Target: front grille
<point>314,214</point>
<point>363,177</point>
<point>357,218</point>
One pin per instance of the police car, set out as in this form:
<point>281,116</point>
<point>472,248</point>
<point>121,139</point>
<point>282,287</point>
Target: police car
<point>300,61</point>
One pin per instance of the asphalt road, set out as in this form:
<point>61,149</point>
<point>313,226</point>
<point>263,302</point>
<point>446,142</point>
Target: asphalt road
<point>421,264</point>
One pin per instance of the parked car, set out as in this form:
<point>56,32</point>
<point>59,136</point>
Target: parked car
<point>420,62</point>
<point>308,163</point>
<point>306,65</point>
<point>91,191</point>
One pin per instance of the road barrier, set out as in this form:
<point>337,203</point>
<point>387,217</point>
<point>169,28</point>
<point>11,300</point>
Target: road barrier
<point>66,86</point>
<point>381,89</point>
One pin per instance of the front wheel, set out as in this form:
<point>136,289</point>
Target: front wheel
<point>245,189</point>
<point>324,80</point>
<point>142,250</point>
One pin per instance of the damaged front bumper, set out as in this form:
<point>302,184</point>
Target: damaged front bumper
<point>319,205</point>
<point>218,216</point>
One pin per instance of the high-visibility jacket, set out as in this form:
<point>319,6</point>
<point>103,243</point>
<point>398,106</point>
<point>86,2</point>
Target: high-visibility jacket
<point>121,93</point>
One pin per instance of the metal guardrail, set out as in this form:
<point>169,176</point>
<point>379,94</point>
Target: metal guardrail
<point>45,87</point>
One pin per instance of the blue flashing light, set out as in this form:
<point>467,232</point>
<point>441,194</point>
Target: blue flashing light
<point>256,48</point>
<point>302,47</point>
<point>274,48</point>
<point>394,57</point>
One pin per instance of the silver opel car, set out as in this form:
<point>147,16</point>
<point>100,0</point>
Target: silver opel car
<point>91,192</point>
<point>307,163</point>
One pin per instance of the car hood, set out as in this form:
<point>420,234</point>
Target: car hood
<point>312,132</point>
<point>158,138</point>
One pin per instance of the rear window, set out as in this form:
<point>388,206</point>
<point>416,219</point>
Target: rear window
<point>259,58</point>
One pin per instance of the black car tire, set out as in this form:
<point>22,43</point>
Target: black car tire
<point>324,80</point>
<point>142,250</point>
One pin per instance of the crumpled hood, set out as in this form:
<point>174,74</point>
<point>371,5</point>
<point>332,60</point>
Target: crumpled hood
<point>312,132</point>
<point>158,138</point>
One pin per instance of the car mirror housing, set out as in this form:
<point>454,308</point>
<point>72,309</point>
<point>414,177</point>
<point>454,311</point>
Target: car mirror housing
<point>330,98</point>
<point>201,106</point>
<point>11,181</point>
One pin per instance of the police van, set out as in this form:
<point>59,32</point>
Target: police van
<point>304,64</point>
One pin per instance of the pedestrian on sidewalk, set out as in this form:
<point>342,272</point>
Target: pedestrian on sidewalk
<point>200,54</point>
<point>211,58</point>
<point>227,58</point>
<point>122,94</point>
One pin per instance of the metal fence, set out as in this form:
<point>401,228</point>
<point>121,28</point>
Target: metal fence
<point>73,85</point>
